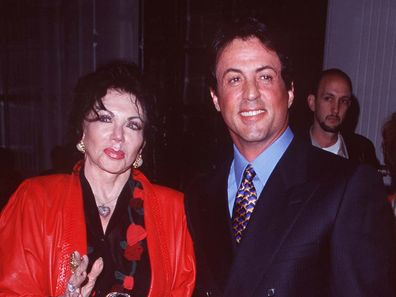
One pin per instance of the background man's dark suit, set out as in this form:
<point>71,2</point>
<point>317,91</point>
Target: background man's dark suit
<point>311,233</point>
<point>359,148</point>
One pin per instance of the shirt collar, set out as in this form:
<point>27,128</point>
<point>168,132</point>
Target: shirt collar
<point>264,162</point>
<point>339,148</point>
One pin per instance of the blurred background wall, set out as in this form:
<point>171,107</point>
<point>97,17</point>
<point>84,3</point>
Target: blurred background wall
<point>45,46</point>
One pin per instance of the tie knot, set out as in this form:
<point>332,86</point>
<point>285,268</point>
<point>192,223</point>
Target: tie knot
<point>249,173</point>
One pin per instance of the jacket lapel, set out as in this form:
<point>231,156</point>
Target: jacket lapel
<point>278,207</point>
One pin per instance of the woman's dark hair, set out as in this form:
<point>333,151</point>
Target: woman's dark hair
<point>120,76</point>
<point>389,147</point>
<point>246,28</point>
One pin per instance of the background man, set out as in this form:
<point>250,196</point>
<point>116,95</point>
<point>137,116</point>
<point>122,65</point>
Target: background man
<point>330,103</point>
<point>281,217</point>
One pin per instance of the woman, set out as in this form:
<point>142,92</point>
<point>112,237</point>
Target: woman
<point>133,234</point>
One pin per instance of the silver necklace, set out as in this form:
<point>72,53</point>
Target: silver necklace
<point>104,210</point>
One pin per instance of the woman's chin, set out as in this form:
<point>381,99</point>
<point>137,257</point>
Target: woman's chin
<point>113,167</point>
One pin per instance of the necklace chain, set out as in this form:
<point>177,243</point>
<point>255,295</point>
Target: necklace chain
<point>103,204</point>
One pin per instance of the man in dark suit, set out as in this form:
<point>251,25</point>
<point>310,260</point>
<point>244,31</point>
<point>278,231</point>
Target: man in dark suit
<point>281,217</point>
<point>330,103</point>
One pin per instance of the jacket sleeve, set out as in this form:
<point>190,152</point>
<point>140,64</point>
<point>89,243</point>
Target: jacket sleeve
<point>184,280</point>
<point>362,250</point>
<point>22,268</point>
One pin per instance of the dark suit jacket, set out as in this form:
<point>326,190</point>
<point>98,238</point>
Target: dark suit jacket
<point>322,227</point>
<point>360,149</point>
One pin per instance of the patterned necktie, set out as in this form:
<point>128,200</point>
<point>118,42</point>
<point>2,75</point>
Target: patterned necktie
<point>245,201</point>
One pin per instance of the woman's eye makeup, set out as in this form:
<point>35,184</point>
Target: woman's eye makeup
<point>135,125</point>
<point>104,118</point>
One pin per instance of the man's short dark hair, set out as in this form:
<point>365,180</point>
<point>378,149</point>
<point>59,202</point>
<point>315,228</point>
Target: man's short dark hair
<point>246,28</point>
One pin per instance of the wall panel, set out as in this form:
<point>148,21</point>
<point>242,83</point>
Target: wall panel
<point>361,40</point>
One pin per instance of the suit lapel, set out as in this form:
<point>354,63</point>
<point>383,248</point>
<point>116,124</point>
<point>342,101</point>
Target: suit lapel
<point>279,206</point>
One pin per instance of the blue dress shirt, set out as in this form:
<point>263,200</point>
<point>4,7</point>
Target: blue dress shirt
<point>263,165</point>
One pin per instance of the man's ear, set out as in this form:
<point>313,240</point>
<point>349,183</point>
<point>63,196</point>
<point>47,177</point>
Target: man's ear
<point>311,102</point>
<point>215,99</point>
<point>291,95</point>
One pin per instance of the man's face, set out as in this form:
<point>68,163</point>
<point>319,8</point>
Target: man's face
<point>251,95</point>
<point>331,104</point>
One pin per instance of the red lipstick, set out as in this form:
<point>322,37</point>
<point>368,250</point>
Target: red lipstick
<point>118,155</point>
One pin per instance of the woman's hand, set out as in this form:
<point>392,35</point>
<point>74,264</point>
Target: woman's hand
<point>79,265</point>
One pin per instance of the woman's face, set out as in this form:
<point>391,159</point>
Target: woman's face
<point>113,141</point>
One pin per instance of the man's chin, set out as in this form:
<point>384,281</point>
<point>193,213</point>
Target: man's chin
<point>330,129</point>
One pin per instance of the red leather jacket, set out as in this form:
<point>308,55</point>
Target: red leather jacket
<point>43,224</point>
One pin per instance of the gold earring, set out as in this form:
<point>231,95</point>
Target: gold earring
<point>81,146</point>
<point>138,162</point>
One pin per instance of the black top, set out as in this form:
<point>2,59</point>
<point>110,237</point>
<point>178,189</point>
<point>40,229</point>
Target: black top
<point>111,245</point>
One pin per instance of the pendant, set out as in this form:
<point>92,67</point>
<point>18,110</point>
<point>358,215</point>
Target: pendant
<point>104,211</point>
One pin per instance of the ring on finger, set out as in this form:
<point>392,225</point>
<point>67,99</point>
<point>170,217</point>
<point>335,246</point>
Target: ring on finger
<point>70,288</point>
<point>74,262</point>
